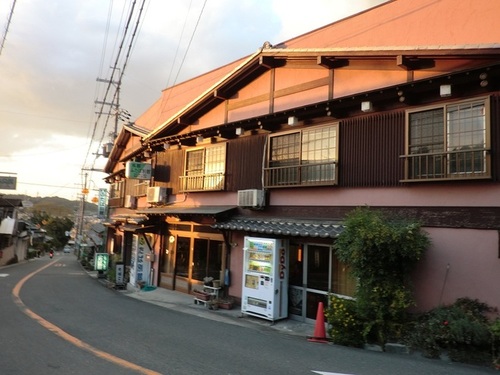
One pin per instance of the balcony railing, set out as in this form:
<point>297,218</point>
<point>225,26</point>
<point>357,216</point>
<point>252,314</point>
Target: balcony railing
<point>311,174</point>
<point>203,182</point>
<point>141,189</point>
<point>458,164</point>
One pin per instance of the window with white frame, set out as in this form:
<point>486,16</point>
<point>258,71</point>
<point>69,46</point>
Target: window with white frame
<point>205,168</point>
<point>449,141</point>
<point>303,157</point>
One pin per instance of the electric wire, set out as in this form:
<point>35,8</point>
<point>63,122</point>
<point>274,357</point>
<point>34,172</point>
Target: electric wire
<point>121,70</point>
<point>108,88</point>
<point>165,99</point>
<point>101,64</point>
<point>124,66</point>
<point>9,19</point>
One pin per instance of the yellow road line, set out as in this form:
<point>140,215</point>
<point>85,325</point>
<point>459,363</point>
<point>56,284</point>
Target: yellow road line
<point>66,336</point>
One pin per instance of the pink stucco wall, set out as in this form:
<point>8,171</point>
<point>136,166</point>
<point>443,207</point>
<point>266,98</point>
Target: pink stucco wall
<point>236,265</point>
<point>418,195</point>
<point>459,263</point>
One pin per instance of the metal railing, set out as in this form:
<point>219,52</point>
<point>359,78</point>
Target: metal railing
<point>141,189</point>
<point>203,182</point>
<point>463,164</point>
<point>311,174</point>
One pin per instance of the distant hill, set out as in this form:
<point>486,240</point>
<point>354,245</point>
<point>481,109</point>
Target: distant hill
<point>55,206</point>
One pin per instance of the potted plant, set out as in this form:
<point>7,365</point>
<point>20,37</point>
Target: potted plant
<point>225,303</point>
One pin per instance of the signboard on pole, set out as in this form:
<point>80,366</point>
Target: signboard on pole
<point>8,182</point>
<point>102,203</point>
<point>120,273</point>
<point>101,261</point>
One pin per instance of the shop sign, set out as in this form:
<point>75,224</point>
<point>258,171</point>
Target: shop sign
<point>101,261</point>
<point>138,171</point>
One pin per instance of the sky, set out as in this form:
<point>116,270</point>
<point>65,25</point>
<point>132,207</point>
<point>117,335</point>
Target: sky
<point>54,52</point>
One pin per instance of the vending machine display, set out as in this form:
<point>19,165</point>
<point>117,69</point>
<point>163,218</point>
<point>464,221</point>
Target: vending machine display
<point>265,286</point>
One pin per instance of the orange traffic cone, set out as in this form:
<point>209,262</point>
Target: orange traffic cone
<point>319,330</point>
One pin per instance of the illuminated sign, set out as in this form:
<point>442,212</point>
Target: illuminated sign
<point>138,171</point>
<point>101,261</point>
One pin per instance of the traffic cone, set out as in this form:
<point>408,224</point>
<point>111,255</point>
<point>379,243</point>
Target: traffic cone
<point>319,329</point>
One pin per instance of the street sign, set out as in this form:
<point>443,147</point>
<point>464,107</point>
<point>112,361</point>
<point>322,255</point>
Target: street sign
<point>8,182</point>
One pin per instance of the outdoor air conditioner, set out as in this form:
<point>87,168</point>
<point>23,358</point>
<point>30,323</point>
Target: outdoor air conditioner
<point>156,194</point>
<point>252,198</point>
<point>130,201</point>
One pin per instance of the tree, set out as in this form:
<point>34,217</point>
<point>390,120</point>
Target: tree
<point>56,227</point>
<point>381,252</point>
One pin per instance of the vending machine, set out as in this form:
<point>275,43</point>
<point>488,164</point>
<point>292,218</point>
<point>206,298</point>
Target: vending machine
<point>265,278</point>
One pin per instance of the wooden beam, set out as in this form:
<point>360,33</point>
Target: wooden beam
<point>218,94</point>
<point>267,62</point>
<point>407,63</point>
<point>331,62</point>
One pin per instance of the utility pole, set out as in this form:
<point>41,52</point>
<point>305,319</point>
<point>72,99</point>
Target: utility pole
<point>116,103</point>
<point>119,114</point>
<point>79,233</point>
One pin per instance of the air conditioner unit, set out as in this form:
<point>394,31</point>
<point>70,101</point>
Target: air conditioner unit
<point>130,201</point>
<point>156,194</point>
<point>252,198</point>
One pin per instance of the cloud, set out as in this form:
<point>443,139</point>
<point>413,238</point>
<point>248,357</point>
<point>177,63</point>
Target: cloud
<point>56,49</point>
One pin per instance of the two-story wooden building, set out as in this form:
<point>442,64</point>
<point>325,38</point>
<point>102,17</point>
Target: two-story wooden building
<point>396,108</point>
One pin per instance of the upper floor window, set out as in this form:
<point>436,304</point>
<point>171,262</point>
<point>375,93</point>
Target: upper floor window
<point>204,168</point>
<point>303,158</point>
<point>448,142</point>
<point>116,190</point>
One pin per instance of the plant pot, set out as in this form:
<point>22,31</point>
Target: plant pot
<point>201,295</point>
<point>225,305</point>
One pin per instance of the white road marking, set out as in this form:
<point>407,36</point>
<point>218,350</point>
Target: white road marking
<point>4,274</point>
<point>329,373</point>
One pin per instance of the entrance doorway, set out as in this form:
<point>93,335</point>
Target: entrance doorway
<point>314,272</point>
<point>190,257</point>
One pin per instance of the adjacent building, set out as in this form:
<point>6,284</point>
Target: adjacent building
<point>15,234</point>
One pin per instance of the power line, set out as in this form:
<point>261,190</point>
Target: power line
<point>47,185</point>
<point>120,77</point>
<point>9,19</point>
<point>165,100</point>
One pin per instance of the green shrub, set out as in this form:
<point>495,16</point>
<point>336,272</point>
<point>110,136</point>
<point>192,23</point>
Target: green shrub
<point>495,337</point>
<point>344,326</point>
<point>462,330</point>
<point>381,252</point>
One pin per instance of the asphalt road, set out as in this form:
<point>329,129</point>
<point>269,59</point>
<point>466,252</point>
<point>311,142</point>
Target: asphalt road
<point>55,319</point>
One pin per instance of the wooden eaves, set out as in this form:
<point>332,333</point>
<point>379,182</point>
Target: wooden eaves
<point>407,58</point>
